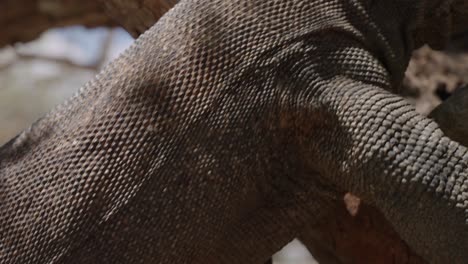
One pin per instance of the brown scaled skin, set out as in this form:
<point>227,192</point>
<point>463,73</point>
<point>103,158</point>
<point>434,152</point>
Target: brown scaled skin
<point>154,123</point>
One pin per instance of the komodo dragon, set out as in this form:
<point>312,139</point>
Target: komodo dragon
<point>228,119</point>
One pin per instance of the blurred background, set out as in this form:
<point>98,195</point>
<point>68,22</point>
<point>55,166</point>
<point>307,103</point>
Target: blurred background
<point>37,75</point>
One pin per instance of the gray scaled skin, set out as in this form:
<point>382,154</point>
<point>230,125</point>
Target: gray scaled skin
<point>225,121</point>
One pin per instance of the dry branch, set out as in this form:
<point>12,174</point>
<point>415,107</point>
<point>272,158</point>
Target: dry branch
<point>136,16</point>
<point>25,20</point>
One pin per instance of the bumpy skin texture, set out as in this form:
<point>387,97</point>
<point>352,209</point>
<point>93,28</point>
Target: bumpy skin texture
<point>224,121</point>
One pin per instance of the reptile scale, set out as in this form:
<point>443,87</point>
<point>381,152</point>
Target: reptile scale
<point>226,120</point>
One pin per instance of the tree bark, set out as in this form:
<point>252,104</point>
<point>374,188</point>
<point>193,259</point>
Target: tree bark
<point>25,20</point>
<point>136,16</point>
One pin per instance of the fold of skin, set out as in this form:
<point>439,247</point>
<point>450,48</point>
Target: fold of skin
<point>355,232</point>
<point>223,121</point>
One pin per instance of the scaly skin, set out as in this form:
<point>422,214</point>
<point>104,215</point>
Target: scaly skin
<point>227,119</point>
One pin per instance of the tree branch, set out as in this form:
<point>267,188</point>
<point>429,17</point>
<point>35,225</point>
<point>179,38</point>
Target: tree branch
<point>62,61</point>
<point>136,16</point>
<point>25,20</point>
